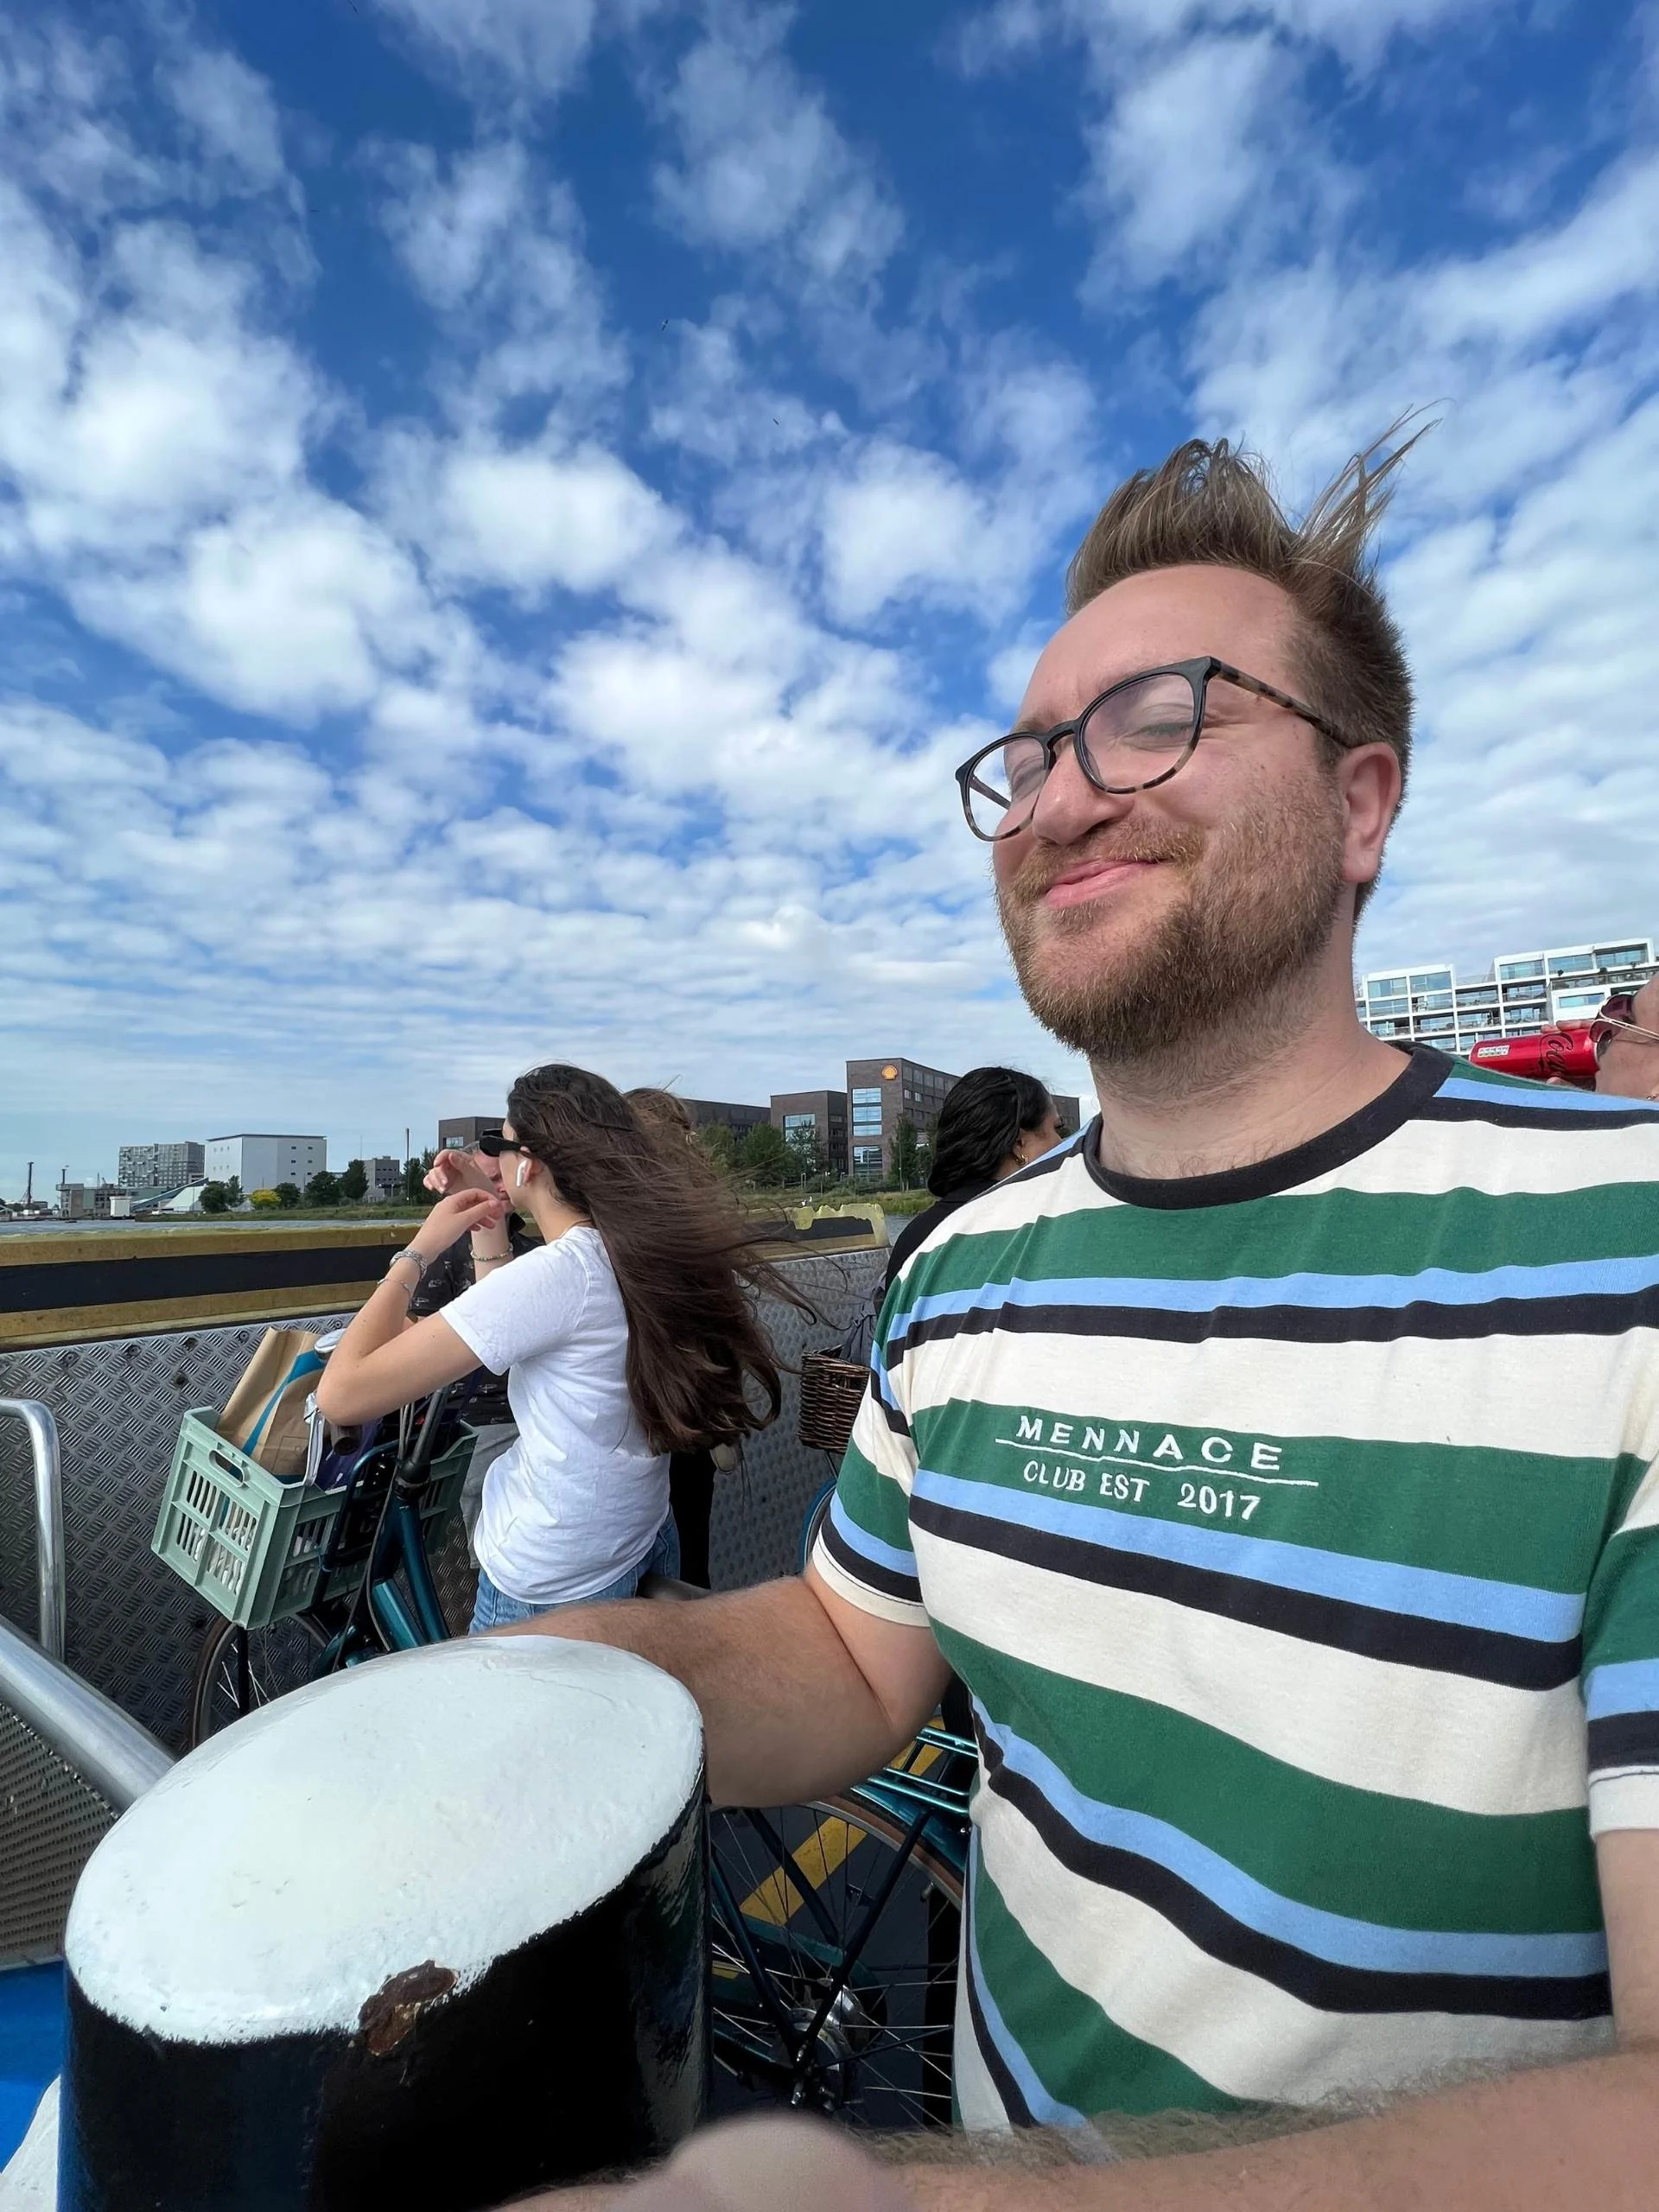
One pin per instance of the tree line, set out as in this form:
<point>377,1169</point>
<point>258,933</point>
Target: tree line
<point>350,1188</point>
<point>766,1157</point>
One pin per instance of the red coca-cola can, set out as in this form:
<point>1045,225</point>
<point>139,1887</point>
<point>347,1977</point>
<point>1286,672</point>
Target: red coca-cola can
<point>1557,1055</point>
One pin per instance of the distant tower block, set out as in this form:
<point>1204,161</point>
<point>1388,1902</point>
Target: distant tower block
<point>431,1933</point>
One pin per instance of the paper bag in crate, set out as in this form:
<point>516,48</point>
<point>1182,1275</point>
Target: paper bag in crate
<point>265,1416</point>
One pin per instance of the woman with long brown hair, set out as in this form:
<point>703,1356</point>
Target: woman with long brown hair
<point>628,1334</point>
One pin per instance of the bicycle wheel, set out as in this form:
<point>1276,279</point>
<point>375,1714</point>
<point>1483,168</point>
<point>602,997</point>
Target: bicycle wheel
<point>280,1658</point>
<point>792,1888</point>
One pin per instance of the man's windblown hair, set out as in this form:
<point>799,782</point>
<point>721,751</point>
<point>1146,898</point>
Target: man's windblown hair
<point>1215,506</point>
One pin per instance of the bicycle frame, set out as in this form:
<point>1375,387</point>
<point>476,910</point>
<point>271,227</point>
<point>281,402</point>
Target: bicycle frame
<point>399,1543</point>
<point>907,1790</point>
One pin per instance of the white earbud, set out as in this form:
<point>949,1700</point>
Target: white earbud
<point>519,1177</point>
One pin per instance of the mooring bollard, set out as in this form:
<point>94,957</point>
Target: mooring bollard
<point>430,1932</point>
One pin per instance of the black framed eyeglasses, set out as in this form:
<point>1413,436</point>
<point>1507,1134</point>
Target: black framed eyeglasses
<point>1133,737</point>
<point>492,1144</point>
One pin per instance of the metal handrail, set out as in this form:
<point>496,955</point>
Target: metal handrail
<point>48,1516</point>
<point>87,1730</point>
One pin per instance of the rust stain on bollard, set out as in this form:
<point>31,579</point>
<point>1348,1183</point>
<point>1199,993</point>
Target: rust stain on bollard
<point>388,2018</point>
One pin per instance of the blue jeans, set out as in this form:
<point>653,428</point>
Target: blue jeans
<point>495,1609</point>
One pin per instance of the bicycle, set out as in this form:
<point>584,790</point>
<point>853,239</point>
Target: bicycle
<point>376,1592</point>
<point>836,1925</point>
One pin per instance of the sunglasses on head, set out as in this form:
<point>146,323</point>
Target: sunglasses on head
<point>1617,1018</point>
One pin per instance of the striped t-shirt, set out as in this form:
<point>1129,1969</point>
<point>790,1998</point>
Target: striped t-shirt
<point>1296,1531</point>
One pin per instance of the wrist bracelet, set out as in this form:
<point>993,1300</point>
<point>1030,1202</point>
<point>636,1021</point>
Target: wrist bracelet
<point>408,1253</point>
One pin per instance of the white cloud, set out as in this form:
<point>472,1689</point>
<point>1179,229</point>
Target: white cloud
<point>1189,145</point>
<point>229,108</point>
<point>121,418</point>
<point>527,517</point>
<point>653,782</point>
<point>905,523</point>
<point>1203,141</point>
<point>450,230</point>
<point>712,403</point>
<point>288,608</point>
<point>523,47</point>
<point>762,164</point>
<point>904,519</point>
<point>498,249</point>
<point>1581,269</point>
<point>1009,671</point>
<point>61,127</point>
<point>156,442</point>
<point>1360,31</point>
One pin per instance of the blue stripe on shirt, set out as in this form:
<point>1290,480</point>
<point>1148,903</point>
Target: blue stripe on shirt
<point>1545,1099</point>
<point>1326,1293</point>
<point>1330,1935</point>
<point>868,1546</point>
<point>1428,1593</point>
<point>1627,1686</point>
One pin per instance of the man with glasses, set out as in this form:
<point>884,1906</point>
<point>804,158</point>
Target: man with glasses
<point>1626,1034</point>
<point>1275,1463</point>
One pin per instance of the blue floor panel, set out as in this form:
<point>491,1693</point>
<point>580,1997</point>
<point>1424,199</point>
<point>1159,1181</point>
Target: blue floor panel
<point>31,2046</point>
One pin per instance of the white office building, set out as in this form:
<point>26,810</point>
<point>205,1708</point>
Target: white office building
<point>260,1163</point>
<point>1524,993</point>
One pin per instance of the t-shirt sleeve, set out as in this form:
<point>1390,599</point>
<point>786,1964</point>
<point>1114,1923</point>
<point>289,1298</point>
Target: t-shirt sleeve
<point>1621,1670</point>
<point>863,1552</point>
<point>525,1307</point>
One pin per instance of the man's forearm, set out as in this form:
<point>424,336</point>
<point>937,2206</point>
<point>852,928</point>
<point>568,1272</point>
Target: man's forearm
<point>1533,2142</point>
<point>786,1714</point>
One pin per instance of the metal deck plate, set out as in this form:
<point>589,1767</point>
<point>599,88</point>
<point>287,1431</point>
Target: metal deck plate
<point>134,1627</point>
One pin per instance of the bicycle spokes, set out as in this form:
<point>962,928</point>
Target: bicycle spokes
<point>834,1963</point>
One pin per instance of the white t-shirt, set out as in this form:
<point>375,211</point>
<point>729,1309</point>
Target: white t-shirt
<point>578,1500</point>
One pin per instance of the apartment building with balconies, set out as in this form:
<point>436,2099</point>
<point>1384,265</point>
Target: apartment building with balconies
<point>1524,993</point>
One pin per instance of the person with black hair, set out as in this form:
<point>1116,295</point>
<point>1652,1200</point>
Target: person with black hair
<point>993,1122</point>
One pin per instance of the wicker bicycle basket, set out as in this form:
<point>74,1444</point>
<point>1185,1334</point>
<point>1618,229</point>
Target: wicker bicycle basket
<point>832,1392</point>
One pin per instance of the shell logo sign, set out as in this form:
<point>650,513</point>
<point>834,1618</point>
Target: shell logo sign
<point>889,1075</point>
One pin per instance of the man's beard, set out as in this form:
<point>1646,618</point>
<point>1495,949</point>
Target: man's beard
<point>1261,897</point>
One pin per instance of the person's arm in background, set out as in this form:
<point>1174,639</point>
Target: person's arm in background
<point>467,1171</point>
<point>378,1364</point>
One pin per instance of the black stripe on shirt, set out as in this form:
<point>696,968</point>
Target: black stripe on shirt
<point>1325,1983</point>
<point>891,1413</point>
<point>1402,1639</point>
<point>1624,1739</point>
<point>1013,2097</point>
<point>1589,1314</point>
<point>869,1572</point>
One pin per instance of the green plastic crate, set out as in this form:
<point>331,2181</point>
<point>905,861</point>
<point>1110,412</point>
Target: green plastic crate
<point>253,1545</point>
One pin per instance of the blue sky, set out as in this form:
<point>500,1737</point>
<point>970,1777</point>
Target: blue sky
<point>510,510</point>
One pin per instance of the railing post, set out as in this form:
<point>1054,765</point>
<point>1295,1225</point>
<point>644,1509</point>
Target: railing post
<point>48,1516</point>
